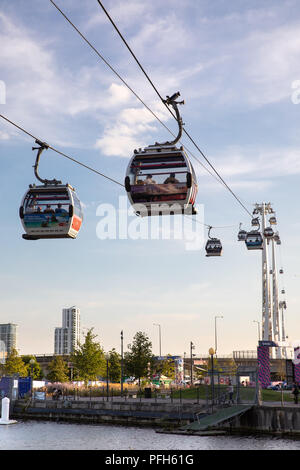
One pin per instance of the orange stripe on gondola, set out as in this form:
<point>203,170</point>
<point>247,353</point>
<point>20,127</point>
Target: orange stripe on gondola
<point>76,223</point>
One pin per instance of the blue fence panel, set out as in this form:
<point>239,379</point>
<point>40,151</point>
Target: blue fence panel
<point>24,386</point>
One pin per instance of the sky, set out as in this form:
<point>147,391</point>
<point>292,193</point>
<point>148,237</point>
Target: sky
<point>236,65</point>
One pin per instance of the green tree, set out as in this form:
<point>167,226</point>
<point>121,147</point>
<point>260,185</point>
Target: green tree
<point>35,368</point>
<point>88,359</point>
<point>58,370</point>
<point>114,366</point>
<point>15,365</point>
<point>139,356</point>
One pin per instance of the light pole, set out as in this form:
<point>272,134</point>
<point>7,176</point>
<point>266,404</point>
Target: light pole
<point>159,326</point>
<point>122,363</point>
<point>258,327</point>
<point>192,348</point>
<point>107,372</point>
<point>31,362</point>
<point>217,316</point>
<point>211,352</point>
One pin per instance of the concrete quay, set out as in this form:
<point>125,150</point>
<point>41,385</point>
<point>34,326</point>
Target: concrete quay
<point>129,412</point>
<point>267,418</point>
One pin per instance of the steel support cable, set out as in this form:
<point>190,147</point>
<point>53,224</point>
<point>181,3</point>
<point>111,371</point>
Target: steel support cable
<point>129,87</point>
<point>61,153</point>
<point>157,92</point>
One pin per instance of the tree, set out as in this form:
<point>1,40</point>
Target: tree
<point>88,359</point>
<point>139,356</point>
<point>114,366</point>
<point>58,370</point>
<point>15,365</point>
<point>37,373</point>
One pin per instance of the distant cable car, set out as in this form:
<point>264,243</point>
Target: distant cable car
<point>213,246</point>
<point>254,240</point>
<point>281,271</point>
<point>268,232</point>
<point>273,220</point>
<point>52,210</point>
<point>255,222</point>
<point>242,234</point>
<point>283,291</point>
<point>277,238</point>
<point>160,179</point>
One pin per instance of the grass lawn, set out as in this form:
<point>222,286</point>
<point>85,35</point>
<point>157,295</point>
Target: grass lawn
<point>246,393</point>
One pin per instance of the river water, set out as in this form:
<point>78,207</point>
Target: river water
<point>43,435</point>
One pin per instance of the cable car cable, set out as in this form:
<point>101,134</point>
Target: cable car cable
<point>61,153</point>
<point>84,165</point>
<point>157,92</point>
<point>135,94</point>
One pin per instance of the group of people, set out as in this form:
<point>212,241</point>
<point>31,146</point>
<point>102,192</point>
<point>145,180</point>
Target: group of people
<point>149,180</point>
<point>33,208</point>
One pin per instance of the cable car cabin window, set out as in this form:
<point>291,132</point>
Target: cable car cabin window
<point>77,206</point>
<point>46,209</point>
<point>158,179</point>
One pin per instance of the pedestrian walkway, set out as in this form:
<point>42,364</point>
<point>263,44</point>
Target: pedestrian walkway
<point>214,419</point>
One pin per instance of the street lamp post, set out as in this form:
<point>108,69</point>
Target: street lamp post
<point>258,327</point>
<point>122,363</point>
<point>211,352</point>
<point>31,362</point>
<point>216,337</point>
<point>159,326</point>
<point>107,372</point>
<point>192,348</point>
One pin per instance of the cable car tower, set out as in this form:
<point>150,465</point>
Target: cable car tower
<point>272,328</point>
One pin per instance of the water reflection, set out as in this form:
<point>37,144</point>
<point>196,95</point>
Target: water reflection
<point>32,435</point>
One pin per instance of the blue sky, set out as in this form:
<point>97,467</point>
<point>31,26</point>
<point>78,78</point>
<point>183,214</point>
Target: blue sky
<point>234,64</point>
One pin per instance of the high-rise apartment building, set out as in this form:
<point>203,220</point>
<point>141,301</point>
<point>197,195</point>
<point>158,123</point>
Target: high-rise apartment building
<point>8,338</point>
<point>67,337</point>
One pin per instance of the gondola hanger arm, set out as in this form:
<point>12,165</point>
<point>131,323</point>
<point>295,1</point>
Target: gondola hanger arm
<point>40,149</point>
<point>170,101</point>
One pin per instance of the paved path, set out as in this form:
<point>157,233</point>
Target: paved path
<point>175,401</point>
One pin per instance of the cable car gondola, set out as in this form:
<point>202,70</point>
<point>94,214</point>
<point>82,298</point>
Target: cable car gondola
<point>160,178</point>
<point>254,240</point>
<point>242,234</point>
<point>273,220</point>
<point>277,238</point>
<point>51,210</point>
<point>268,232</point>
<point>255,222</point>
<point>213,246</point>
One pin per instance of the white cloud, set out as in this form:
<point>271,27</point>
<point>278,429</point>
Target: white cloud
<point>130,130</point>
<point>123,15</point>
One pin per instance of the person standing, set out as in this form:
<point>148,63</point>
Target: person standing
<point>230,392</point>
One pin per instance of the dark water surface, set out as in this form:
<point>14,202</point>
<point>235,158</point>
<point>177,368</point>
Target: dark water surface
<point>43,435</point>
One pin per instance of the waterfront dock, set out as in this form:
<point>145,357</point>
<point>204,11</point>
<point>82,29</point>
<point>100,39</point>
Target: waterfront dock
<point>180,418</point>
